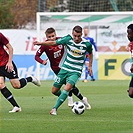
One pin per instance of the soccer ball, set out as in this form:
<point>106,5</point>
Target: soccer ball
<point>78,108</point>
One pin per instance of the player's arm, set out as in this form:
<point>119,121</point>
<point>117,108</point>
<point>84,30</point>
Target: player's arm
<point>90,51</point>
<point>95,47</point>
<point>94,44</point>
<point>46,43</point>
<point>90,63</point>
<point>9,65</point>
<point>59,41</point>
<point>38,56</point>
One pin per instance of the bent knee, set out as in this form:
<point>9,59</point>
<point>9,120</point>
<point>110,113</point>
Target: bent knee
<point>130,92</point>
<point>2,85</point>
<point>54,90</point>
<point>16,86</point>
<point>130,95</point>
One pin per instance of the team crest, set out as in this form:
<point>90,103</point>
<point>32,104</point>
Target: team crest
<point>81,48</point>
<point>60,46</point>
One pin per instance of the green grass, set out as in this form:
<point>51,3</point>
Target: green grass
<point>112,110</point>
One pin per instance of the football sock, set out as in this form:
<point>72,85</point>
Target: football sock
<point>70,93</point>
<point>61,99</point>
<point>23,82</point>
<point>92,77</point>
<point>86,72</point>
<point>8,95</point>
<point>58,93</point>
<point>76,92</point>
<point>29,79</point>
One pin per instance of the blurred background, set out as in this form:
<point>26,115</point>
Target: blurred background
<point>24,21</point>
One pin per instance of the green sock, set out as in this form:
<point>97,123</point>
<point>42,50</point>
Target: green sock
<point>61,99</point>
<point>58,93</point>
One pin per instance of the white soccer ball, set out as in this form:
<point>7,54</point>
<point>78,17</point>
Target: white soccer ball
<point>78,108</point>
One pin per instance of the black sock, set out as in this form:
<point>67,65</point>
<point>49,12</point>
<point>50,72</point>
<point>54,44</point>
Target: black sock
<point>76,92</point>
<point>8,95</point>
<point>29,79</point>
<point>23,81</point>
<point>70,93</point>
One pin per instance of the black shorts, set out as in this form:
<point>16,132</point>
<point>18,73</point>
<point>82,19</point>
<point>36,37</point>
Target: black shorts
<point>10,75</point>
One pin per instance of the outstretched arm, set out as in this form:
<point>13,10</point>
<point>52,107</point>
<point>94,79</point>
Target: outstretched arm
<point>46,43</point>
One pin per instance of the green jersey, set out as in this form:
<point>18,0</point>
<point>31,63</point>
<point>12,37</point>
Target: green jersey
<point>75,54</point>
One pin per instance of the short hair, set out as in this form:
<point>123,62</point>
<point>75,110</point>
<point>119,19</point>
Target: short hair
<point>50,30</point>
<point>86,27</point>
<point>77,29</point>
<point>130,27</point>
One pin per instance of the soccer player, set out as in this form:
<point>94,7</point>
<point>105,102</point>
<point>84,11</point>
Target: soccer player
<point>55,54</point>
<point>8,69</point>
<point>72,65</point>
<point>86,36</point>
<point>130,38</point>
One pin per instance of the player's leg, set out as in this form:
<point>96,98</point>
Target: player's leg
<point>56,91</point>
<point>59,81</point>
<point>86,70</point>
<point>77,93</point>
<point>130,91</point>
<point>60,99</point>
<point>16,83</point>
<point>92,77</point>
<point>70,98</point>
<point>8,95</point>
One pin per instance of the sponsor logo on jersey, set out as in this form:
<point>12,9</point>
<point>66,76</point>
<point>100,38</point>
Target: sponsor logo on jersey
<point>76,52</point>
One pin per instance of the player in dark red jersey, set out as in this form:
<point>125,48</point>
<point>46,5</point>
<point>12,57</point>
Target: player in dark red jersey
<point>130,38</point>
<point>8,69</point>
<point>54,54</point>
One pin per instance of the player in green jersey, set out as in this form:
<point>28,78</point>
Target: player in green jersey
<point>71,64</point>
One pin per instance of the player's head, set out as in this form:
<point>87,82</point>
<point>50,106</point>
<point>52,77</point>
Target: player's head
<point>86,31</point>
<point>50,34</point>
<point>130,32</point>
<point>77,34</point>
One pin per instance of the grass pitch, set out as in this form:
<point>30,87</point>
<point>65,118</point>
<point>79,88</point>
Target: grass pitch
<point>112,110</point>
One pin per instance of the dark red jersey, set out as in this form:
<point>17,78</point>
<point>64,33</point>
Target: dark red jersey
<point>3,54</point>
<point>54,53</point>
<point>131,47</point>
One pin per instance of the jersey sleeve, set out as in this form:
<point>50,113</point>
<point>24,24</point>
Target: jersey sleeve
<point>89,47</point>
<point>3,39</point>
<point>64,40</point>
<point>39,53</point>
<point>94,44</point>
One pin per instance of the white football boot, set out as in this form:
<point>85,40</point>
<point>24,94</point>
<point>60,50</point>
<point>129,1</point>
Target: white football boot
<point>35,81</point>
<point>70,101</point>
<point>53,112</point>
<point>85,102</point>
<point>15,109</point>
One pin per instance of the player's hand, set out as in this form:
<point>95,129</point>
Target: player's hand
<point>9,67</point>
<point>45,62</point>
<point>37,43</point>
